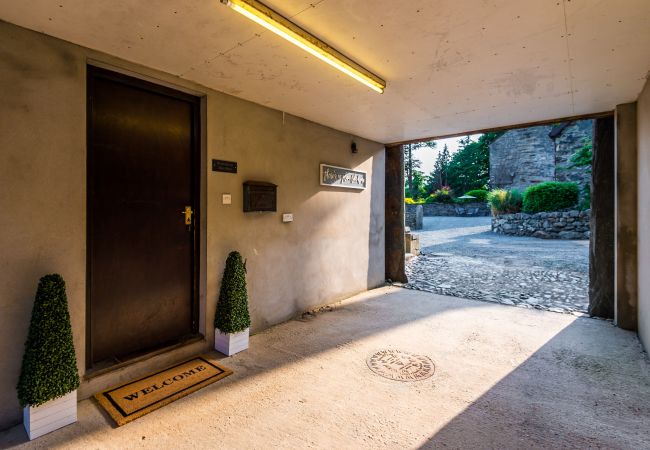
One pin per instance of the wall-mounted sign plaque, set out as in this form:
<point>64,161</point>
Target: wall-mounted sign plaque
<point>224,166</point>
<point>342,177</point>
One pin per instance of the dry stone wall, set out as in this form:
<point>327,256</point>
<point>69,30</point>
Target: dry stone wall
<point>414,213</point>
<point>465,209</point>
<point>413,217</point>
<point>545,225</point>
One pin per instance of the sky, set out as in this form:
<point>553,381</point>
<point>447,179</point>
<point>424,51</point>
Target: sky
<point>428,156</point>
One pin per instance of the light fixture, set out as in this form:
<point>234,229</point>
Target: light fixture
<point>272,21</point>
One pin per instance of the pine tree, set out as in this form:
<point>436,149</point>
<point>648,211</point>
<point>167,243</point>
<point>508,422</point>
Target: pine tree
<point>438,176</point>
<point>469,168</point>
<point>411,165</point>
<point>232,308</point>
<point>413,177</point>
<point>49,368</point>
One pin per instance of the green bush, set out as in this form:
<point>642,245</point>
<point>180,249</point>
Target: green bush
<point>442,195</point>
<point>232,308</point>
<point>503,201</point>
<point>480,194</point>
<point>550,196</point>
<point>410,201</point>
<point>585,203</point>
<point>49,368</point>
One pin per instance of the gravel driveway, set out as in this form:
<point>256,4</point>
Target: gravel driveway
<point>461,257</point>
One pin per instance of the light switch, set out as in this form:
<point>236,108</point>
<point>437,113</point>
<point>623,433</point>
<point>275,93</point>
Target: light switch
<point>287,217</point>
<point>226,199</point>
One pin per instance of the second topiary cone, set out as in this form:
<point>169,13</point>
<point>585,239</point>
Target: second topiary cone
<point>232,319</point>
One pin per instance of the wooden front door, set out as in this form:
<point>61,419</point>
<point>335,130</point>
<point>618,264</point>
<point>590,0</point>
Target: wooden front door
<point>143,169</point>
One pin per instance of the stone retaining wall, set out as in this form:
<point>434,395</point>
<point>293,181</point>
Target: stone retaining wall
<point>413,216</point>
<point>473,209</point>
<point>545,225</point>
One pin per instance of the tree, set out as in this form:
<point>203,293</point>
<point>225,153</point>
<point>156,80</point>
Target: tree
<point>438,176</point>
<point>413,177</point>
<point>419,186</point>
<point>411,164</point>
<point>469,168</point>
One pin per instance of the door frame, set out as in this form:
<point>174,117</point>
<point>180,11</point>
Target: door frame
<point>93,72</point>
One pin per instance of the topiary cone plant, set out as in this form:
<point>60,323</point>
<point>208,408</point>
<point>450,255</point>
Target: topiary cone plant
<point>47,387</point>
<point>232,320</point>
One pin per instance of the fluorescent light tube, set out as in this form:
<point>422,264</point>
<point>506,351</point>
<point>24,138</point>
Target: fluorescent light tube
<point>272,21</point>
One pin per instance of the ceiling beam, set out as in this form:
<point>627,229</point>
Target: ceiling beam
<point>505,128</point>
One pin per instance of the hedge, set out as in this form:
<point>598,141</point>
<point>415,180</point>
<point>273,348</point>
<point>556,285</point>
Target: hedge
<point>550,196</point>
<point>232,308</point>
<point>49,368</point>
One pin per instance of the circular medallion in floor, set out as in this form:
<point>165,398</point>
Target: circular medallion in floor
<point>401,366</point>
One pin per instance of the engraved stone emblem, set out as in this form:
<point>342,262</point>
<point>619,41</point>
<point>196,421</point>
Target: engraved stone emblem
<point>401,366</point>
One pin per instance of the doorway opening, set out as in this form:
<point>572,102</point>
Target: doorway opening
<point>506,216</point>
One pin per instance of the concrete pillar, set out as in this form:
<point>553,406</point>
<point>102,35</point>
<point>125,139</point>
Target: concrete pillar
<point>626,298</point>
<point>395,214</point>
<point>601,245</point>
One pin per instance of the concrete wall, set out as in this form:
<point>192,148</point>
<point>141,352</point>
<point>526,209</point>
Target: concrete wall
<point>334,247</point>
<point>643,199</point>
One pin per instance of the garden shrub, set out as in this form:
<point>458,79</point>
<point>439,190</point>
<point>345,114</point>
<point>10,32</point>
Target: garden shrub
<point>550,196</point>
<point>442,195</point>
<point>504,201</point>
<point>232,308</point>
<point>585,202</point>
<point>410,201</point>
<point>480,194</point>
<point>49,368</point>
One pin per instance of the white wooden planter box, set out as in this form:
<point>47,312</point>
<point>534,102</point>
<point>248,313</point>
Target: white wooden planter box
<point>50,416</point>
<point>230,343</point>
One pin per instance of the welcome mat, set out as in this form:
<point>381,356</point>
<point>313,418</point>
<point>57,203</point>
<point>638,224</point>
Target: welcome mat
<point>129,401</point>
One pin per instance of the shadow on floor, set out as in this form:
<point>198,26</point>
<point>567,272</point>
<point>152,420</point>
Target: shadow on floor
<point>577,391</point>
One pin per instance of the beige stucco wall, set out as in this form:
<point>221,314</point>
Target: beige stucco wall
<point>334,247</point>
<point>643,131</point>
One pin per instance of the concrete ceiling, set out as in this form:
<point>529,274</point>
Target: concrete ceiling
<point>451,65</point>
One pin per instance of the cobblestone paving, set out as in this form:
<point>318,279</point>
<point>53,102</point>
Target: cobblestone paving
<point>461,257</point>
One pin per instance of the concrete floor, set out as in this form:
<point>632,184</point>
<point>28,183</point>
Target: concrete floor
<point>505,377</point>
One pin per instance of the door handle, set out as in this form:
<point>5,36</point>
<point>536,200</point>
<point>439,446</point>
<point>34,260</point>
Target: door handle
<point>187,212</point>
